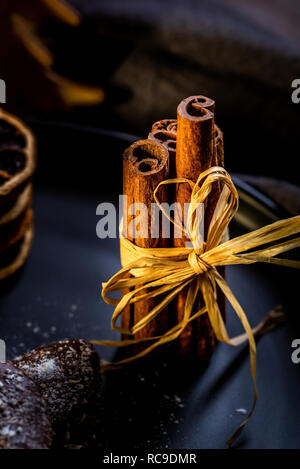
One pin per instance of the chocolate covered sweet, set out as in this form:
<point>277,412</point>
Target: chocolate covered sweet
<point>24,420</point>
<point>68,373</point>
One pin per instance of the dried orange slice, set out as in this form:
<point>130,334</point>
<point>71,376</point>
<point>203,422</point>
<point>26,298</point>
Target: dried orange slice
<point>17,156</point>
<point>12,232</point>
<point>14,257</point>
<point>15,207</point>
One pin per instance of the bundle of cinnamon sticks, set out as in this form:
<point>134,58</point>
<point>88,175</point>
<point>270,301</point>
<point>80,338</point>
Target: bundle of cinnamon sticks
<point>181,148</point>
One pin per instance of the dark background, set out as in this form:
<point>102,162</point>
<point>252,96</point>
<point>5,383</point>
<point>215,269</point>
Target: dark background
<point>148,55</point>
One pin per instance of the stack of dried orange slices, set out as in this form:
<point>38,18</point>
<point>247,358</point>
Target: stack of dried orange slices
<point>17,165</point>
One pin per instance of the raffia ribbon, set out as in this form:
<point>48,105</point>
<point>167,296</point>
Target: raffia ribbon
<point>168,270</point>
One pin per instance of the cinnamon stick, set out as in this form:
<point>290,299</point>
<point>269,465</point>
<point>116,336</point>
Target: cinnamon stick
<point>167,139</point>
<point>195,153</point>
<point>165,124</point>
<point>145,165</point>
<point>200,101</point>
<point>164,132</point>
<point>161,132</point>
<point>219,143</point>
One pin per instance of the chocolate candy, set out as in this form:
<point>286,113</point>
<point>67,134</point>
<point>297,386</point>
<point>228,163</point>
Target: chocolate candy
<point>68,374</point>
<point>24,420</point>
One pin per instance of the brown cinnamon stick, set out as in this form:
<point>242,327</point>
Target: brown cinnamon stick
<point>195,153</point>
<point>200,101</point>
<point>165,132</point>
<point>219,143</point>
<point>165,124</point>
<point>167,139</point>
<point>145,165</point>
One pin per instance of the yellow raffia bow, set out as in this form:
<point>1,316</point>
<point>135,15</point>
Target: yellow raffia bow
<point>157,271</point>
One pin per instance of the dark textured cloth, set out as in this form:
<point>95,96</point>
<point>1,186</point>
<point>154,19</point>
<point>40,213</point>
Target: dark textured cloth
<point>244,54</point>
<point>284,193</point>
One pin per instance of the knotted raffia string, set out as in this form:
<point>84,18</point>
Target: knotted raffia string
<point>168,270</point>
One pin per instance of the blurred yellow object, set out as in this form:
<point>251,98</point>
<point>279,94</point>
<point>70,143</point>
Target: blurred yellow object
<point>63,11</point>
<point>26,61</point>
<point>75,94</point>
<point>30,41</point>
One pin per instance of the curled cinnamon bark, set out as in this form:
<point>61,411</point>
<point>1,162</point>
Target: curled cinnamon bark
<point>201,146</point>
<point>168,140</point>
<point>199,102</point>
<point>165,131</point>
<point>145,165</point>
<point>170,125</point>
<point>195,153</point>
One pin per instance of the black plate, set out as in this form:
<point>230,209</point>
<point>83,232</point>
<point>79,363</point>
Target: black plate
<point>57,295</point>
